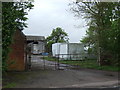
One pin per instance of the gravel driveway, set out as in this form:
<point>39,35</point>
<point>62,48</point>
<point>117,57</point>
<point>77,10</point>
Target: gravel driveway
<point>39,64</point>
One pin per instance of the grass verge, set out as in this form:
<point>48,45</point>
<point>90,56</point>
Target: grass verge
<point>91,64</point>
<point>9,85</point>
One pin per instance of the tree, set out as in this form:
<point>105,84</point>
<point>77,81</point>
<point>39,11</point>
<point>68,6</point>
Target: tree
<point>101,17</point>
<point>13,17</point>
<point>89,40</point>
<point>57,36</point>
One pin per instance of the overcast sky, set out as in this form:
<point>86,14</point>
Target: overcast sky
<point>50,14</point>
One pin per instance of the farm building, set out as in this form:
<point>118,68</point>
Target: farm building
<point>72,51</point>
<point>17,56</point>
<point>37,44</point>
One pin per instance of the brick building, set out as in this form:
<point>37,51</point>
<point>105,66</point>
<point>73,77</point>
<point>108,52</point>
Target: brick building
<point>17,56</point>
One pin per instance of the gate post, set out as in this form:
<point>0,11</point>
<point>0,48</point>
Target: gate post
<point>28,63</point>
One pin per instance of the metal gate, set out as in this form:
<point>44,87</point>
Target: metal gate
<point>74,61</point>
<point>39,62</point>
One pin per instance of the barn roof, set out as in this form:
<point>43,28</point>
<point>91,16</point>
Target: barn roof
<point>35,38</point>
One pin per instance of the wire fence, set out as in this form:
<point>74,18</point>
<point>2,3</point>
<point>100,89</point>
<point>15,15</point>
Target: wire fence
<point>82,56</point>
<point>75,60</point>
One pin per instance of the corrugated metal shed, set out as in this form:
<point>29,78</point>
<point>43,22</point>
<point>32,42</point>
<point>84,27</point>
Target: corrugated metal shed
<point>35,38</point>
<point>71,51</point>
<point>68,50</point>
<point>37,43</point>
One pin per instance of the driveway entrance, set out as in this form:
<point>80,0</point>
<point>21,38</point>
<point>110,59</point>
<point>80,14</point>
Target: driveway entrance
<point>39,63</point>
<point>48,76</point>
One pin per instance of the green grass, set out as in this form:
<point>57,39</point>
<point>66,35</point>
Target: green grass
<point>92,64</point>
<point>10,85</point>
<point>11,79</point>
<point>50,59</point>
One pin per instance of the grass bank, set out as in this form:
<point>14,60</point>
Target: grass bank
<point>91,64</point>
<point>11,79</point>
<point>10,85</point>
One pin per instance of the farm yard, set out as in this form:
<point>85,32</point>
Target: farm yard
<point>56,50</point>
<point>49,77</point>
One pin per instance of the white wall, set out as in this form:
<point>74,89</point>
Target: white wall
<point>55,49</point>
<point>38,48</point>
<point>74,51</point>
<point>68,48</point>
<point>63,50</point>
<point>75,48</point>
<point>35,48</point>
<point>41,47</point>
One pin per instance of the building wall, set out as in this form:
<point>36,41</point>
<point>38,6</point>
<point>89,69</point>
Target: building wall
<point>71,51</point>
<point>68,50</point>
<point>38,48</point>
<point>75,48</point>
<point>17,55</point>
<point>55,49</point>
<point>37,43</point>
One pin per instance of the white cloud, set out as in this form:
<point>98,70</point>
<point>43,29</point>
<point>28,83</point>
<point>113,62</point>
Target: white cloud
<point>49,14</point>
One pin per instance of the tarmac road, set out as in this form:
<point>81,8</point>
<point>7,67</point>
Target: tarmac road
<point>68,79</point>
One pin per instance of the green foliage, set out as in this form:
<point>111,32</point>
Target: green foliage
<point>13,18</point>
<point>103,32</point>
<point>57,36</point>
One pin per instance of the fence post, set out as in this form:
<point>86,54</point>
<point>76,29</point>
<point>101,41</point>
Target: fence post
<point>55,62</point>
<point>29,58</point>
<point>70,56</point>
<point>58,61</point>
<point>44,62</point>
